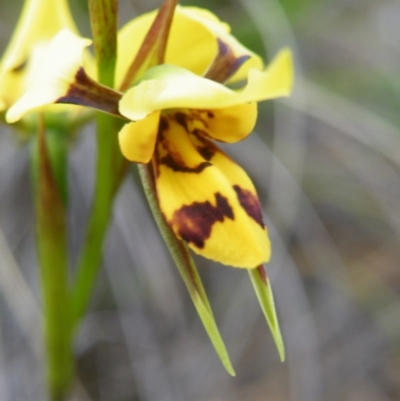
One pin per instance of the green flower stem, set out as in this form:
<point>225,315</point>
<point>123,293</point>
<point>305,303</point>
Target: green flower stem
<point>186,267</point>
<point>107,179</point>
<point>104,23</point>
<point>109,166</point>
<point>49,176</point>
<point>263,290</point>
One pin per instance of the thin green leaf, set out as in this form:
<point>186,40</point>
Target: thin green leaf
<point>51,237</point>
<point>265,297</point>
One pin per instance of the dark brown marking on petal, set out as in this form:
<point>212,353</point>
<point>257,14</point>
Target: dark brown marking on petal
<point>167,155</point>
<point>205,152</point>
<point>194,222</point>
<point>225,63</point>
<point>200,133</point>
<point>210,114</point>
<point>200,116</point>
<point>238,63</point>
<point>175,163</point>
<point>182,119</point>
<point>205,147</point>
<point>20,67</point>
<point>162,127</point>
<point>250,204</point>
<point>84,91</point>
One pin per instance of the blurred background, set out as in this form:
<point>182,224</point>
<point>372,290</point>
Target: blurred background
<point>326,163</point>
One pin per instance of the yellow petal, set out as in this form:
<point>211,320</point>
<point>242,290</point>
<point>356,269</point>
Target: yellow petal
<point>232,124</point>
<point>194,51</point>
<point>52,75</point>
<point>221,31</point>
<point>275,82</point>
<point>229,125</point>
<point>137,139</point>
<point>40,20</point>
<point>169,87</point>
<point>208,200</point>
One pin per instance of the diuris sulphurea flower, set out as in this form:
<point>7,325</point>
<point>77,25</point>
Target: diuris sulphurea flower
<point>39,22</point>
<point>176,111</point>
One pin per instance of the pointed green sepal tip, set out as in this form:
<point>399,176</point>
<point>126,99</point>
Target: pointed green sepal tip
<point>207,318</point>
<point>265,297</point>
<point>194,285</point>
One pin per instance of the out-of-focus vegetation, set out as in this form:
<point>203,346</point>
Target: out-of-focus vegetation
<point>327,166</point>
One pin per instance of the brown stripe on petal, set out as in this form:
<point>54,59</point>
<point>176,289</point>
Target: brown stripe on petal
<point>225,63</point>
<point>162,127</point>
<point>205,152</point>
<point>182,119</point>
<point>250,204</point>
<point>206,148</point>
<point>194,222</point>
<point>84,91</point>
<point>172,158</point>
<point>175,163</point>
<point>20,67</point>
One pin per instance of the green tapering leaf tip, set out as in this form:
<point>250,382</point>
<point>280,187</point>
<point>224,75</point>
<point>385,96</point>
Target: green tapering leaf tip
<point>230,370</point>
<point>265,298</point>
<point>223,355</point>
<point>280,345</point>
<point>206,316</point>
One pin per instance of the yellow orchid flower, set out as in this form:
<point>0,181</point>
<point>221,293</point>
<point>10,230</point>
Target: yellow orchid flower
<point>176,110</point>
<point>206,198</point>
<point>40,20</point>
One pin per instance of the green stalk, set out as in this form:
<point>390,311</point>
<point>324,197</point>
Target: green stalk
<point>49,176</point>
<point>110,166</point>
<point>107,172</point>
<point>103,18</point>
<point>104,21</point>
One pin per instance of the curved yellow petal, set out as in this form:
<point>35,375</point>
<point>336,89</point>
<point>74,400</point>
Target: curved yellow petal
<point>174,87</point>
<point>170,87</point>
<point>275,82</point>
<point>40,20</point>
<point>52,75</point>
<point>232,124</point>
<point>208,200</point>
<point>194,51</point>
<point>221,31</point>
<point>137,139</point>
<point>229,125</point>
